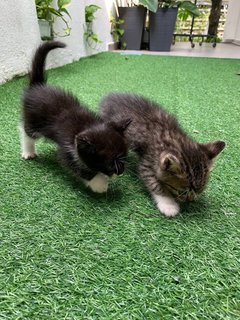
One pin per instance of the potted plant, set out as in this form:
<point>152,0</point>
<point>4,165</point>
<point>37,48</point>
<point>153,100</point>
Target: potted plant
<point>162,20</point>
<point>47,13</point>
<point>117,31</point>
<point>133,14</point>
<point>90,36</point>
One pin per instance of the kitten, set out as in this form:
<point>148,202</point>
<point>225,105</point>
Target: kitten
<point>173,166</point>
<point>92,149</point>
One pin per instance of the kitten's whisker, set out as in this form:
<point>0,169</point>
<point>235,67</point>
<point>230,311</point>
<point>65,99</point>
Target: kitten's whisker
<point>116,167</point>
<point>132,172</point>
<point>179,195</point>
<point>122,158</point>
<point>184,193</point>
<point>169,185</point>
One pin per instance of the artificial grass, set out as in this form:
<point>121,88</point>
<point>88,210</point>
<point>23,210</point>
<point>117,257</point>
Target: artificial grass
<point>67,253</point>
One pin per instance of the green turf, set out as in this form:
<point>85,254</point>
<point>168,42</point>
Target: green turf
<point>66,253</point>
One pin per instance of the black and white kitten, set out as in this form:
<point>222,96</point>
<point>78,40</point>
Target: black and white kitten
<point>91,148</point>
<point>173,166</point>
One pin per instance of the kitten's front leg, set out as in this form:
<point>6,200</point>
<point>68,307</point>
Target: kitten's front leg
<point>99,183</point>
<point>168,206</point>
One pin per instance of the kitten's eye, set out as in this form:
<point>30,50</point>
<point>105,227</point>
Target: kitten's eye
<point>198,187</point>
<point>187,195</point>
<point>121,158</point>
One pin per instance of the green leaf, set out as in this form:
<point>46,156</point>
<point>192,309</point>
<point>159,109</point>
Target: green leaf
<point>55,12</point>
<point>95,38</point>
<point>63,3</point>
<point>67,30</point>
<point>90,35</point>
<point>183,15</point>
<point>65,11</point>
<point>151,5</point>
<point>38,2</point>
<point>89,18</point>
<point>89,12</point>
<point>190,7</point>
<point>124,45</point>
<point>92,8</point>
<point>121,32</point>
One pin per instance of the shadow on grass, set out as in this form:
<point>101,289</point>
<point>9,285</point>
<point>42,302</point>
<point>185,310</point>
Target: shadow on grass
<point>198,209</point>
<point>49,162</point>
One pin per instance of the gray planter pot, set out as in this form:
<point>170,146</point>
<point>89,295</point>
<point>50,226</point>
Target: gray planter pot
<point>134,18</point>
<point>161,29</point>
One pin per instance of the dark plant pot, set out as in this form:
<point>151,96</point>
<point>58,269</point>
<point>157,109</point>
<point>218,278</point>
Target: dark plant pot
<point>145,40</point>
<point>134,18</point>
<point>161,28</point>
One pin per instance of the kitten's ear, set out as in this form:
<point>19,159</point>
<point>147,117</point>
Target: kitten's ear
<point>169,162</point>
<point>83,143</point>
<point>121,125</point>
<point>212,149</point>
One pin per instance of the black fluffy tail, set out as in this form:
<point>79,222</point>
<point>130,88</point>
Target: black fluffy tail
<point>37,75</point>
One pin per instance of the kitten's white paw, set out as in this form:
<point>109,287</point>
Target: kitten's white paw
<point>29,155</point>
<point>168,206</point>
<point>99,183</point>
<point>169,210</point>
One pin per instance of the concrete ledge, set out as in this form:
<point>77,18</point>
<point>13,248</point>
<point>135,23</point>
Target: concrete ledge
<point>237,42</point>
<point>206,50</point>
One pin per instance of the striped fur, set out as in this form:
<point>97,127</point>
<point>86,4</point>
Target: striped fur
<point>173,166</point>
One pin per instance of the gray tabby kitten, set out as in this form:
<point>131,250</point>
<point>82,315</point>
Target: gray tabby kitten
<point>173,166</point>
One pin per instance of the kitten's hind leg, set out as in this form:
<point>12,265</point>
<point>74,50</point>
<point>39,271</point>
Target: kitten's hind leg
<point>168,206</point>
<point>27,145</point>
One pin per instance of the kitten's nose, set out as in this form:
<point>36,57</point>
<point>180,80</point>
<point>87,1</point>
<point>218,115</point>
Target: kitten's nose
<point>191,196</point>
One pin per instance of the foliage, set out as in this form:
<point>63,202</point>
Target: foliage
<point>186,5</point>
<point>183,15</point>
<point>90,36</point>
<point>89,12</point>
<point>128,3</point>
<point>200,24</point>
<point>116,31</point>
<point>46,11</point>
<point>151,5</point>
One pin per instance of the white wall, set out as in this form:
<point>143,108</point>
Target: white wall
<point>75,42</point>
<point>232,26</point>
<point>101,24</point>
<point>19,35</point>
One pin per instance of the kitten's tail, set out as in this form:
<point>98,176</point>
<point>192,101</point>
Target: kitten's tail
<point>37,75</point>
